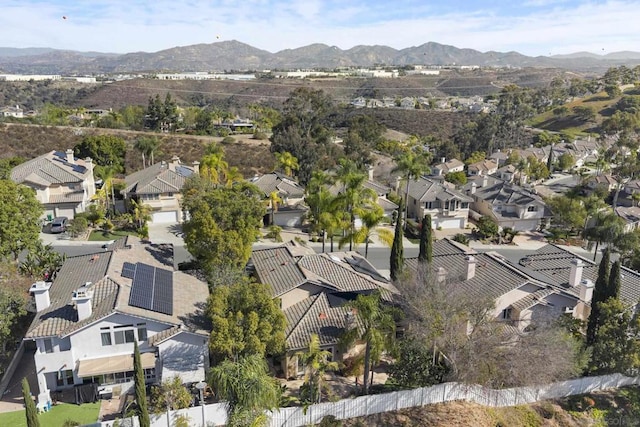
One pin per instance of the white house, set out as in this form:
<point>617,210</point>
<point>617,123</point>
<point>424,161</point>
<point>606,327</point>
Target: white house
<point>98,305</point>
<point>63,183</point>
<point>447,166</point>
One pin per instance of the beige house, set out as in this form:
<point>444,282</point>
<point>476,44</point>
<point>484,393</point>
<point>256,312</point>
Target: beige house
<point>291,210</point>
<point>312,290</point>
<point>483,167</point>
<point>508,204</point>
<point>159,186</point>
<point>447,166</point>
<point>63,183</point>
<point>448,207</point>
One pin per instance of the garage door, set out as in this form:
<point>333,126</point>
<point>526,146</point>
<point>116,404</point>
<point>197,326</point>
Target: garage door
<point>68,212</point>
<point>450,223</point>
<point>164,217</point>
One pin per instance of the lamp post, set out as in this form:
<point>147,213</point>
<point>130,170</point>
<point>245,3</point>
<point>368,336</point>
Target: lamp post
<point>201,386</point>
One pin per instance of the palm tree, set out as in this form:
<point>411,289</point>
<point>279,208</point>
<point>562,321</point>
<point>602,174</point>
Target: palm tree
<point>371,219</point>
<point>213,167</point>
<point>147,146</point>
<point>232,175</point>
<point>141,212</point>
<point>316,363</point>
<point>411,167</point>
<point>330,222</point>
<point>247,388</point>
<point>287,162</point>
<point>376,327</point>
<point>354,197</point>
<point>274,199</point>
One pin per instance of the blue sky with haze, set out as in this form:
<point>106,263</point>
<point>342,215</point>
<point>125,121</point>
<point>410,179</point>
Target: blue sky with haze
<point>531,27</point>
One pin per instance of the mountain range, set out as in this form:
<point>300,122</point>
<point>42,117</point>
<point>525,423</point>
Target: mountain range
<point>235,55</point>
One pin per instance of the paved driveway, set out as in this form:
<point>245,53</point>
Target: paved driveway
<point>166,233</point>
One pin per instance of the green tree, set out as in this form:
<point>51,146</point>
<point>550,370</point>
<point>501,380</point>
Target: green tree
<point>411,167</point>
<point>376,327</point>
<point>13,291</point>
<point>568,213</point>
<point>615,347</point>
<point>566,161</point>
<point>600,294</point>
<point>9,163</point>
<point>457,178</point>
<point>415,366</point>
<point>140,388</point>
<point>371,218</point>
<point>147,146</point>
<point>476,156</point>
<point>105,150</point>
<point>613,288</point>
<point>41,262</point>
<point>426,240</point>
<point>316,364</point>
<point>223,223</point>
<point>396,260</point>
<point>170,395</point>
<point>613,90</point>
<point>287,162</point>
<point>30,406</point>
<point>584,113</point>
<point>247,388</point>
<point>245,320</point>
<point>20,214</point>
<point>488,227</point>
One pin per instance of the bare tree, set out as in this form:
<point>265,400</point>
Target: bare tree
<point>459,325</point>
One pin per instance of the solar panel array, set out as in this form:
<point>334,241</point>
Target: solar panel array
<point>128,270</point>
<point>152,289</point>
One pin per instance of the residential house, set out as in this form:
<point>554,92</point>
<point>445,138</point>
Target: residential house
<point>508,204</point>
<point>159,186</point>
<point>447,166</point>
<point>98,305</point>
<point>16,112</point>
<point>483,167</point>
<point>601,182</point>
<point>500,157</point>
<point>520,299</point>
<point>507,173</point>
<point>291,211</point>
<point>383,192</point>
<point>312,290</point>
<point>448,207</point>
<point>64,184</point>
<point>630,215</point>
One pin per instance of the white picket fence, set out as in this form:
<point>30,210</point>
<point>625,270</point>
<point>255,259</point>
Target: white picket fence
<point>215,414</point>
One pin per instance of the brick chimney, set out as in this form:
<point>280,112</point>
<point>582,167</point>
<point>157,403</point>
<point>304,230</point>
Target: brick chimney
<point>40,291</point>
<point>83,297</point>
<point>575,274</point>
<point>70,158</point>
<point>471,266</point>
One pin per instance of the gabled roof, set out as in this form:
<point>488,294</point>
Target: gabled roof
<point>448,165</point>
<point>276,181</point>
<point>493,277</point>
<point>289,266</point>
<point>61,317</point>
<point>537,297</point>
<point>483,165</point>
<point>111,290</point>
<point>51,168</point>
<point>631,214</point>
<point>428,190</point>
<point>552,264</point>
<point>380,189</point>
<point>159,178</point>
<point>500,192</point>
<point>321,314</point>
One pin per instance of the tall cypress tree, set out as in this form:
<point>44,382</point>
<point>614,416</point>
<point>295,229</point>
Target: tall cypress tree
<point>141,391</point>
<point>600,294</point>
<point>613,290</point>
<point>396,262</point>
<point>426,240</point>
<point>30,406</point>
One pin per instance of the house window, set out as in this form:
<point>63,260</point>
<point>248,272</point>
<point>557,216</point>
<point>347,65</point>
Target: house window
<point>150,374</point>
<point>122,337</point>
<point>170,194</point>
<point>48,345</point>
<point>532,209</point>
<point>142,331</point>
<point>464,205</point>
<point>106,338</point>
<point>428,205</point>
<point>65,378</point>
<point>506,314</point>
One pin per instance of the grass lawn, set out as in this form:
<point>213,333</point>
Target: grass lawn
<point>100,236</point>
<point>83,414</point>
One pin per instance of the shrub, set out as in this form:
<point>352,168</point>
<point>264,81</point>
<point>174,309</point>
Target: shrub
<point>259,135</point>
<point>228,140</point>
<point>461,238</point>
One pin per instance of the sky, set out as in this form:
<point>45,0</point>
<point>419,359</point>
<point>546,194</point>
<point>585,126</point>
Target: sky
<point>531,27</point>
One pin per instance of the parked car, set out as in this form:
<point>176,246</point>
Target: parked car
<point>59,224</point>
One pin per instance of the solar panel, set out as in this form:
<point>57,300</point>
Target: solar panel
<point>152,289</point>
<point>128,270</point>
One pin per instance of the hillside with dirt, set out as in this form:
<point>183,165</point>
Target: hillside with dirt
<point>249,155</point>
<point>608,408</point>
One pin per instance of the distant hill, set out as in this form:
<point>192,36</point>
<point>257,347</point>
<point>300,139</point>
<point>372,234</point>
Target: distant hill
<point>235,55</point>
